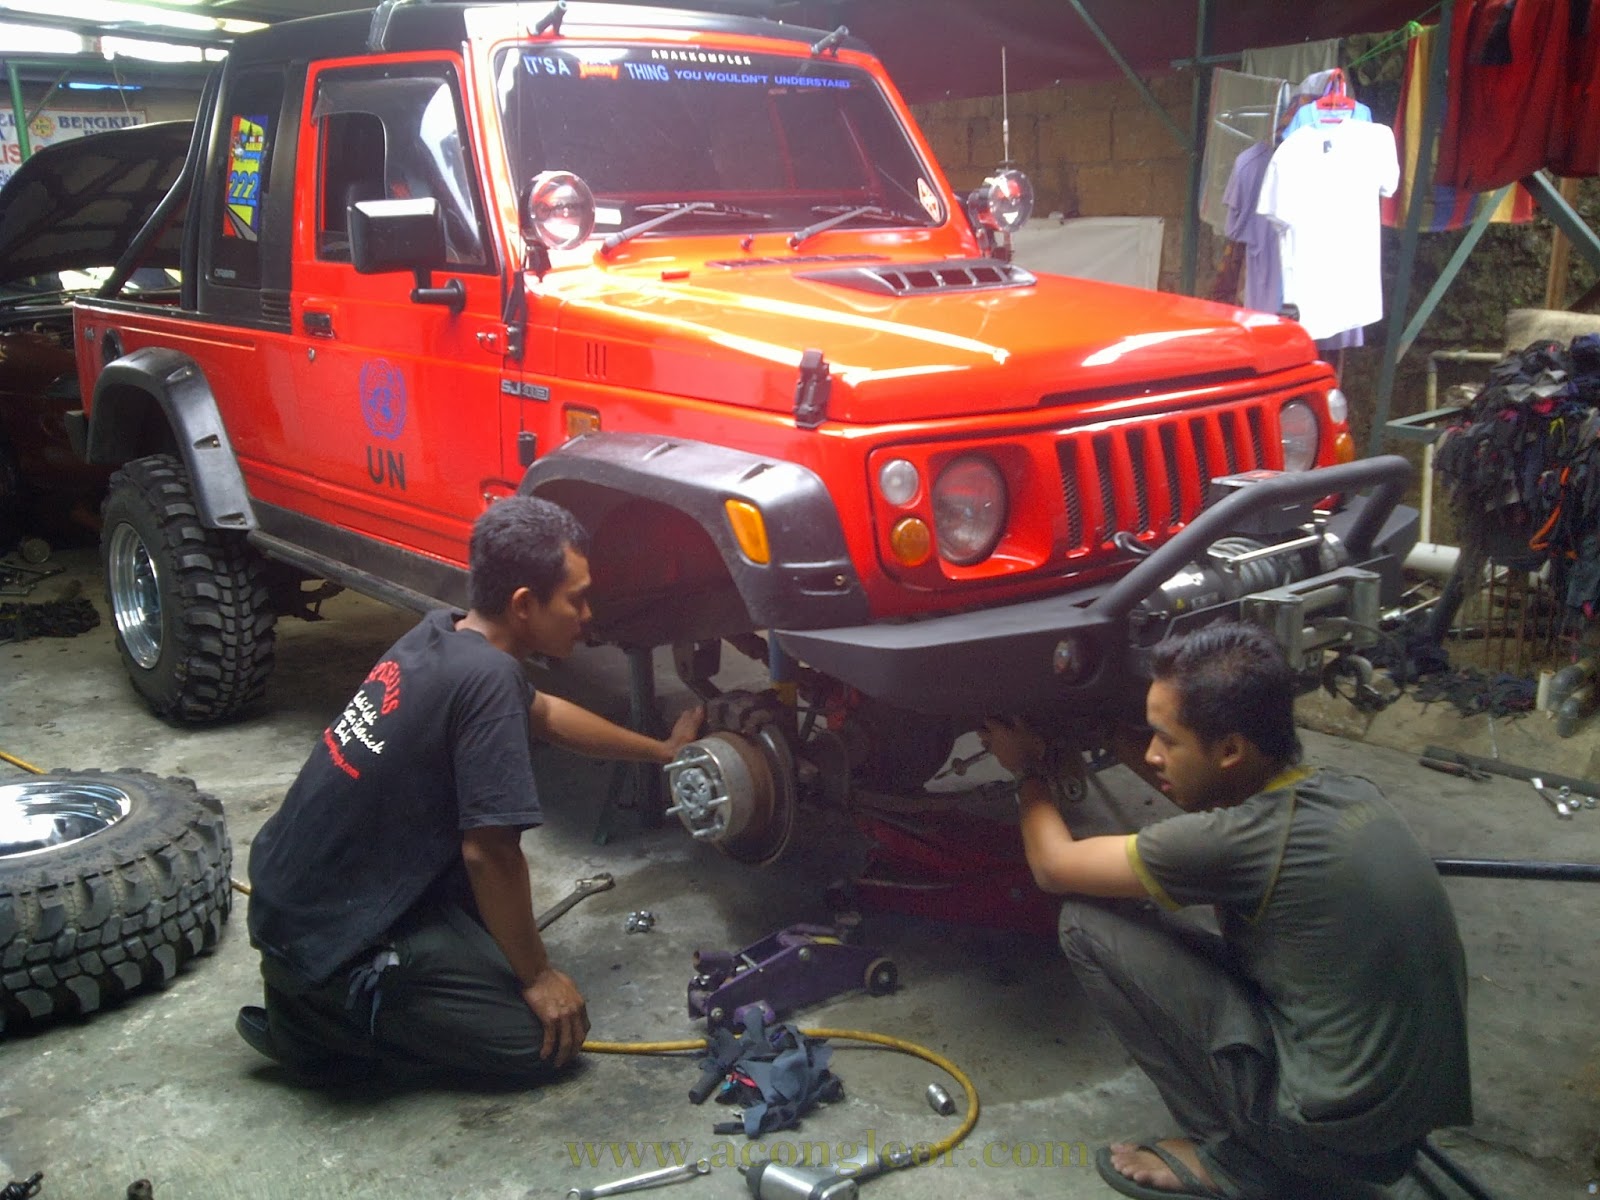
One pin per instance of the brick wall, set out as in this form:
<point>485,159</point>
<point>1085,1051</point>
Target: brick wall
<point>1092,149</point>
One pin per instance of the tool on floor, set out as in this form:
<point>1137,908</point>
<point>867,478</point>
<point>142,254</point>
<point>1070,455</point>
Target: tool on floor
<point>650,1179</point>
<point>794,967</point>
<point>939,1100</point>
<point>21,1190</point>
<point>1555,802</point>
<point>584,887</point>
<point>777,1181</point>
<point>1459,770</point>
<point>642,921</point>
<point>18,580</point>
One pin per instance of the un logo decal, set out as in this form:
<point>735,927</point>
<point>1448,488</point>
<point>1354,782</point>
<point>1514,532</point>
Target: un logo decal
<point>383,399</point>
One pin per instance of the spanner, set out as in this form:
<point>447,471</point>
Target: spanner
<point>1561,807</point>
<point>648,1180</point>
<point>585,887</point>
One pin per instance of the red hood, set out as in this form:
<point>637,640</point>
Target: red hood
<point>735,336</point>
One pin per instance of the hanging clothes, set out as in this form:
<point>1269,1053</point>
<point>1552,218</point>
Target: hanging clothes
<point>1263,271</point>
<point>1321,190</point>
<point>1574,148</point>
<point>1509,63</point>
<point>1446,207</point>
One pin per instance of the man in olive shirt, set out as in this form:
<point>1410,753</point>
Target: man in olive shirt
<point>1323,1035</point>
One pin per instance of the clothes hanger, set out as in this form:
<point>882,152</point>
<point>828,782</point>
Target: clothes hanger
<point>1336,103</point>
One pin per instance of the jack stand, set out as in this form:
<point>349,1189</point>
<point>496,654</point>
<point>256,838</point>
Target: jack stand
<point>787,970</point>
<point>640,781</point>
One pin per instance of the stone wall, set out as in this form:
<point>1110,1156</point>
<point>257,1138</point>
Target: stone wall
<point>1092,149</point>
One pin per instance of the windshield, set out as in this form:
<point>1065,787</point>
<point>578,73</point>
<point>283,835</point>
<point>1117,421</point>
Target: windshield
<point>772,142</point>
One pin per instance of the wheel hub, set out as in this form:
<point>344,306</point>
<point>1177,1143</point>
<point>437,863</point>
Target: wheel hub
<point>134,584</point>
<point>736,792</point>
<point>48,814</point>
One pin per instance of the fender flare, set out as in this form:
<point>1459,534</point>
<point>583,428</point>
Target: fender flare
<point>178,385</point>
<point>810,581</point>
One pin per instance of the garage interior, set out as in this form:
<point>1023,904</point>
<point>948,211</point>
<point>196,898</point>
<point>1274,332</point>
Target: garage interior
<point>1110,110</point>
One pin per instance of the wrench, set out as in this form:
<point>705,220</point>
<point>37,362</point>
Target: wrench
<point>1561,807</point>
<point>584,887</point>
<point>648,1180</point>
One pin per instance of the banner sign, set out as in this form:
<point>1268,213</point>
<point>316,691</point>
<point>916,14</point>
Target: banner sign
<point>56,125</point>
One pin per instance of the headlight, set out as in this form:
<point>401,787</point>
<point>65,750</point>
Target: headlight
<point>899,482</point>
<point>1338,407</point>
<point>1298,426</point>
<point>969,510</point>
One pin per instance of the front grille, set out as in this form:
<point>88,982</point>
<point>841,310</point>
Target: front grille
<point>1150,476</point>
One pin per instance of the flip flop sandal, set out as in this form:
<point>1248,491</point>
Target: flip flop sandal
<point>1194,1189</point>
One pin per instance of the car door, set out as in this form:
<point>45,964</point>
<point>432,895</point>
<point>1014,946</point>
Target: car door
<point>396,402</point>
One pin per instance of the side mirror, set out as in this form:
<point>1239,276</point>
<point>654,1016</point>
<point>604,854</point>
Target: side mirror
<point>404,235</point>
<point>396,235</point>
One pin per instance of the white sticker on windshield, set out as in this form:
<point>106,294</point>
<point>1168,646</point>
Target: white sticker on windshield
<point>930,201</point>
<point>608,216</point>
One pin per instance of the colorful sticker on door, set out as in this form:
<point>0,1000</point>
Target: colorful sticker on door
<point>247,142</point>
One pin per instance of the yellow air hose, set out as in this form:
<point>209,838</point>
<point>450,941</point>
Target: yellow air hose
<point>17,762</point>
<point>937,1150</point>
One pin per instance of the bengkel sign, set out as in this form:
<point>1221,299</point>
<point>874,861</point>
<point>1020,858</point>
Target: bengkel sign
<point>53,125</point>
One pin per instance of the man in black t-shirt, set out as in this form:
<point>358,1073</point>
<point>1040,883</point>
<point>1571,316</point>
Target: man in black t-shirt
<point>1323,1034</point>
<point>390,898</point>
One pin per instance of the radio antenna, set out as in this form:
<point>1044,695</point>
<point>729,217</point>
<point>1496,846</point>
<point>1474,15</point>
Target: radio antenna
<point>1005,110</point>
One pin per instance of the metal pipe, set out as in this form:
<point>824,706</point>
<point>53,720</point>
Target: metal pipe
<point>1425,531</point>
<point>19,111</point>
<point>1504,868</point>
<point>1458,1174</point>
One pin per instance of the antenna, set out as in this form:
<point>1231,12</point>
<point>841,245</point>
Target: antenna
<point>1005,111</point>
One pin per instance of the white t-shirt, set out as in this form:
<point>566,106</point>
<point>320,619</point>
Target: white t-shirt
<point>1321,190</point>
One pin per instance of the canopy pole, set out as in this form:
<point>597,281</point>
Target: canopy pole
<point>19,110</point>
<point>1199,119</point>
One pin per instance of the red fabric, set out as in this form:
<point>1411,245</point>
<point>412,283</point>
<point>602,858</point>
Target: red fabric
<point>1501,116</point>
<point>1575,135</point>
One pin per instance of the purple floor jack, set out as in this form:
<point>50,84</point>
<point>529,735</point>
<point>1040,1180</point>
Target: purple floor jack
<point>787,970</point>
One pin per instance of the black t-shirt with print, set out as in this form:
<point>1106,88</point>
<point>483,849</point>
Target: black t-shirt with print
<point>436,741</point>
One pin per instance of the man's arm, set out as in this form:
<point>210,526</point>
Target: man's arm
<point>573,727</point>
<point>1095,866</point>
<point>498,873</point>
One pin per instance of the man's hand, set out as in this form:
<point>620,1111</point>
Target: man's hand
<point>1015,747</point>
<point>558,1004</point>
<point>685,729</point>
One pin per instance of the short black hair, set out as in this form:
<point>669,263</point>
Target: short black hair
<point>1232,677</point>
<point>520,542</point>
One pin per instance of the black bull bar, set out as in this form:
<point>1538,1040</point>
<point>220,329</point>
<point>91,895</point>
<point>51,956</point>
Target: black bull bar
<point>1000,660</point>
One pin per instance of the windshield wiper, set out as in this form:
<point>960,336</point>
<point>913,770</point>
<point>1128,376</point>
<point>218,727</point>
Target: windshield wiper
<point>671,212</point>
<point>839,218</point>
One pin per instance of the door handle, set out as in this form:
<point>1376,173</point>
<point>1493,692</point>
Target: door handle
<point>317,323</point>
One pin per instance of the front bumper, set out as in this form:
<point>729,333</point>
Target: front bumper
<point>1001,660</point>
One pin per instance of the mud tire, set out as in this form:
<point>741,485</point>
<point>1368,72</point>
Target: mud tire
<point>208,648</point>
<point>89,922</point>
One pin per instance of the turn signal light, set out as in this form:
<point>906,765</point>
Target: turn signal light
<point>911,542</point>
<point>1344,448</point>
<point>750,529</point>
<point>581,421</point>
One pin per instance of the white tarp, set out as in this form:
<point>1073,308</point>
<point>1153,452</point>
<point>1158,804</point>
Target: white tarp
<point>56,125</point>
<point>1110,249</point>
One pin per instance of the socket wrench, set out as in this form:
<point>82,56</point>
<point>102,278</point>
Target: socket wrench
<point>649,1179</point>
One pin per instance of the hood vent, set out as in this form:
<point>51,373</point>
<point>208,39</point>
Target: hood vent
<point>924,279</point>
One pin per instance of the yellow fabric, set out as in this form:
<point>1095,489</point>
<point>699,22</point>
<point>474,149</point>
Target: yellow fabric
<point>1157,892</point>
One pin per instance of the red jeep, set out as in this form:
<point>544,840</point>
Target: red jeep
<point>699,279</point>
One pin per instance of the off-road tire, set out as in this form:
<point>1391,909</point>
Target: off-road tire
<point>88,922</point>
<point>214,647</point>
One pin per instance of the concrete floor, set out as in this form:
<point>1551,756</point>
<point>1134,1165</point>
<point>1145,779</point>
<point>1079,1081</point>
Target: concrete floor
<point>161,1087</point>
